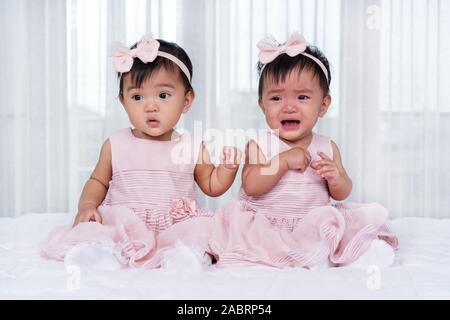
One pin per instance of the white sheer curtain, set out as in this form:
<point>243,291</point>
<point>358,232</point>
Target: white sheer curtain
<point>390,87</point>
<point>33,111</point>
<point>394,116</point>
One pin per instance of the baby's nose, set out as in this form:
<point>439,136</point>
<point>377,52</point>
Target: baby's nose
<point>151,107</point>
<point>289,108</point>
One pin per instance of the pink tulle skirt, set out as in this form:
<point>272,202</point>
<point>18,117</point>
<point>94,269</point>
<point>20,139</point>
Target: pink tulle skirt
<point>235,236</point>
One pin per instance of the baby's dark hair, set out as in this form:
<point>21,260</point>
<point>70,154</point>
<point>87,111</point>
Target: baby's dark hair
<point>279,68</point>
<point>141,71</point>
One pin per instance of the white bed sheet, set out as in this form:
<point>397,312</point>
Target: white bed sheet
<point>422,271</point>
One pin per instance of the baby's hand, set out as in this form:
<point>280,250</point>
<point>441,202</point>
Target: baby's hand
<point>231,157</point>
<point>86,215</point>
<point>326,168</point>
<point>297,159</point>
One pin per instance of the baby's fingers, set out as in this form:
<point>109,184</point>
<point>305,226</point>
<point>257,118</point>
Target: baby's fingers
<point>329,175</point>
<point>231,156</point>
<point>80,219</point>
<point>326,172</point>
<point>319,164</point>
<point>238,156</point>
<point>326,168</point>
<point>98,217</point>
<point>316,165</point>
<point>224,156</point>
<point>323,156</point>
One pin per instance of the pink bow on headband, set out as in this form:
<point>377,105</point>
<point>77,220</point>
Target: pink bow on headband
<point>270,48</point>
<point>146,50</point>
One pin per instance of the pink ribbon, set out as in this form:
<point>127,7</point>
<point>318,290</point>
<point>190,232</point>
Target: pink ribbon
<point>270,48</point>
<point>146,50</point>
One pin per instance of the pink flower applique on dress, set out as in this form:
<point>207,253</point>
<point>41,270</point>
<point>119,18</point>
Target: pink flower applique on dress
<point>183,208</point>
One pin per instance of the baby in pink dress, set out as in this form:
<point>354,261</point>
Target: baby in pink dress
<point>143,184</point>
<point>284,216</point>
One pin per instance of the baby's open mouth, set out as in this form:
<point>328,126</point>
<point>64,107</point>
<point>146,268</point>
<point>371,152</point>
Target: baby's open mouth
<point>290,124</point>
<point>284,122</point>
<point>153,122</point>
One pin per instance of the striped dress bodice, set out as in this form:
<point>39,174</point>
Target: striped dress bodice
<point>149,175</point>
<point>296,193</point>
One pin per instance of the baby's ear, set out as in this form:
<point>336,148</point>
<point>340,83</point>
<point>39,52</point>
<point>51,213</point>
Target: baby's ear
<point>188,100</point>
<point>325,105</point>
<point>260,103</point>
<point>121,100</point>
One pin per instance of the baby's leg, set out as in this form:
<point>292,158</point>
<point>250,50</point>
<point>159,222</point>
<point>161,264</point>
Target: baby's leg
<point>211,257</point>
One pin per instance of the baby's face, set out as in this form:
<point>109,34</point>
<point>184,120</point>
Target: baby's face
<point>294,106</point>
<point>155,108</point>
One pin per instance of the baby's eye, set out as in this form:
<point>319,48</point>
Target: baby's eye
<point>164,95</point>
<point>276,98</point>
<point>137,97</point>
<point>303,97</point>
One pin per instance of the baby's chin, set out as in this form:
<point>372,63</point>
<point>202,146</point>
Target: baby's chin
<point>291,136</point>
<point>158,134</point>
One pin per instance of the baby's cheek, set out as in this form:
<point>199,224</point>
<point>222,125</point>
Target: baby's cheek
<point>172,118</point>
<point>272,121</point>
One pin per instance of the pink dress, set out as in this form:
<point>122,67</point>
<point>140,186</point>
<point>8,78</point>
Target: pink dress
<point>151,191</point>
<point>294,224</point>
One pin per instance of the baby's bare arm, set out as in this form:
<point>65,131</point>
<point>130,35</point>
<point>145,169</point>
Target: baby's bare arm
<point>339,183</point>
<point>342,187</point>
<point>258,175</point>
<point>214,181</point>
<point>95,188</point>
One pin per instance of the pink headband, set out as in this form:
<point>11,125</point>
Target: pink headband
<point>269,49</point>
<point>146,50</point>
